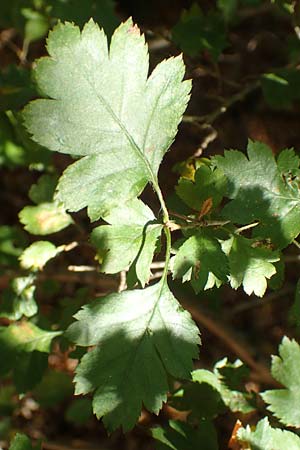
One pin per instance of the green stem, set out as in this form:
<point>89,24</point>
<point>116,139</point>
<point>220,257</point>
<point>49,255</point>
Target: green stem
<point>168,252</point>
<point>162,202</point>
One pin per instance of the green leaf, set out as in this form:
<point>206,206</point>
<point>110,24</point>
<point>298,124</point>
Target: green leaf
<point>11,243</point>
<point>236,399</point>
<point>79,411</point>
<point>36,24</point>
<point>284,403</point>
<point>202,397</point>
<point>46,218</point>
<point>19,299</point>
<point>282,88</point>
<point>264,437</point>
<point>102,109</point>
<point>54,388</point>
<point>228,9</point>
<point>141,337</point>
<point>196,32</point>
<point>43,191</point>
<point>38,254</point>
<point>23,349</point>
<point>21,442</point>
<point>16,87</point>
<point>130,239</point>
<point>260,192</point>
<point>249,265</point>
<point>182,436</point>
<point>200,255</point>
<point>207,184</point>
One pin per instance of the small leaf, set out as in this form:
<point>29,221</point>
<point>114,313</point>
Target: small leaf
<point>141,337</point>
<point>249,265</point>
<point>38,254</point>
<point>179,435</point>
<point>284,403</point>
<point>197,257</point>
<point>130,239</point>
<point>196,32</point>
<point>281,89</point>
<point>43,190</point>
<point>79,411</point>
<point>19,299</point>
<point>207,184</point>
<point>22,442</point>
<point>23,349</point>
<point>46,218</point>
<point>264,437</point>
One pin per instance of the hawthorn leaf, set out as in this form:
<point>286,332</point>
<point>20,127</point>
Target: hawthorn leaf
<point>264,437</point>
<point>281,88</point>
<point>200,255</point>
<point>180,435</point>
<point>196,32</point>
<point>22,442</point>
<point>43,191</point>
<point>101,105</point>
<point>207,184</point>
<point>38,254</point>
<point>129,239</point>
<point>209,392</point>
<point>45,218</point>
<point>284,403</point>
<point>140,337</point>
<point>249,265</point>
<point>24,349</point>
<point>19,299</point>
<point>12,242</point>
<point>259,191</point>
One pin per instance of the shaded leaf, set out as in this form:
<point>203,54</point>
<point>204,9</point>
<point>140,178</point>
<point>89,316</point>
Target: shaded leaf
<point>250,266</point>
<point>19,299</point>
<point>196,32</point>
<point>260,192</point>
<point>23,350</point>
<point>129,239</point>
<point>207,184</point>
<point>200,255</point>
<point>158,338</point>
<point>179,435</point>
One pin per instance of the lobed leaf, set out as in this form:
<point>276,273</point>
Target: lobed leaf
<point>261,191</point>
<point>101,106</point>
<point>23,349</point>
<point>198,257</point>
<point>141,337</point>
<point>129,240</point>
<point>264,437</point>
<point>249,265</point>
<point>284,403</point>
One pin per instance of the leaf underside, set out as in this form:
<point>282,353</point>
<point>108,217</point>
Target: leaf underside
<point>100,105</point>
